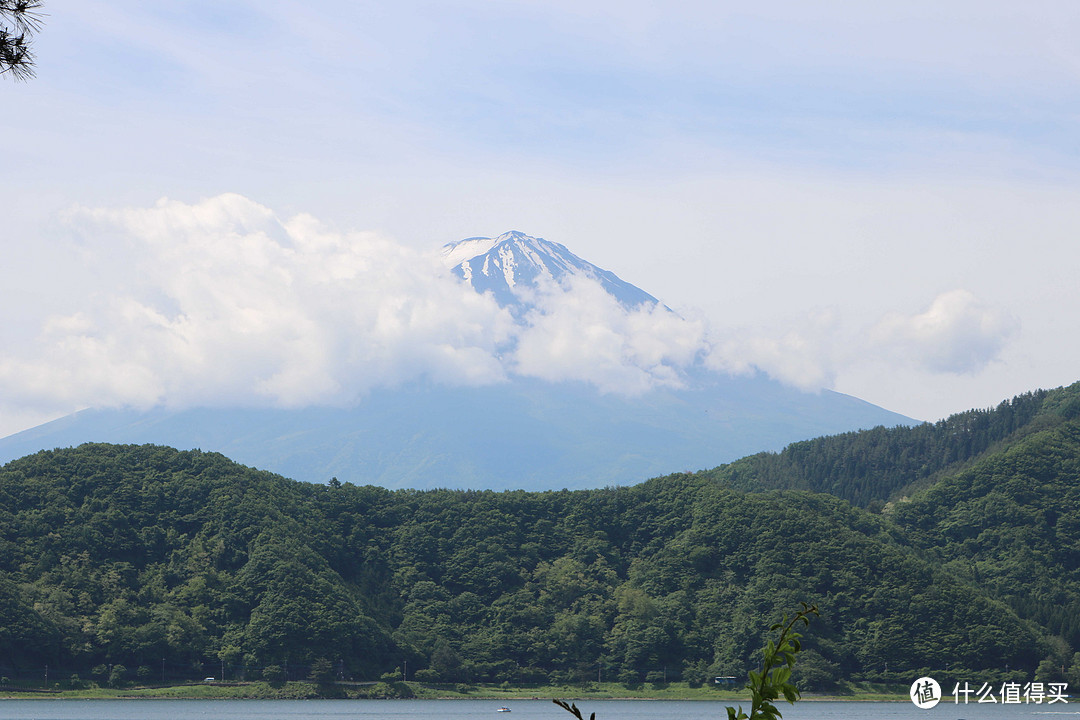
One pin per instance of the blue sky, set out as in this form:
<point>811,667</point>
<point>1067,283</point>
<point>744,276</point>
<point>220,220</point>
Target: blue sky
<point>880,200</point>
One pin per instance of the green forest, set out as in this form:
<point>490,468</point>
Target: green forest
<point>950,548</point>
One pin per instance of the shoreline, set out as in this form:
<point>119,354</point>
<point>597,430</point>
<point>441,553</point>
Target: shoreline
<point>847,692</point>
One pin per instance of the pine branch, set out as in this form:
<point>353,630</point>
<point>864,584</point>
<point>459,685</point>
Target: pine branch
<point>19,21</point>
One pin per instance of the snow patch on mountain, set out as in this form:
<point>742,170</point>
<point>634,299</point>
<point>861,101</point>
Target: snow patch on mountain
<point>457,252</point>
<point>514,266</point>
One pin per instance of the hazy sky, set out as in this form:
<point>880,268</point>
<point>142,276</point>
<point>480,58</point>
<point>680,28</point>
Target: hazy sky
<point>242,201</point>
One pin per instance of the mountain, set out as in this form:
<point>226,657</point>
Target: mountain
<point>993,494</point>
<point>154,560</point>
<point>512,264</point>
<point>525,432</point>
<point>870,468</point>
<point>145,558</point>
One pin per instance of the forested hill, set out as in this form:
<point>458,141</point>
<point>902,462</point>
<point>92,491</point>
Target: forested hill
<point>868,468</point>
<point>151,560</point>
<point>1010,523</point>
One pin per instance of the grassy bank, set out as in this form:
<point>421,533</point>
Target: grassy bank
<point>306,690</point>
<point>671,691</point>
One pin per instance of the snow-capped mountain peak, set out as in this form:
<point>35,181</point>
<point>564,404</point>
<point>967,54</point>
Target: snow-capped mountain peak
<point>512,262</point>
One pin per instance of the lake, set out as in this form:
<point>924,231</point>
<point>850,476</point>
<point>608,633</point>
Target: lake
<point>474,709</point>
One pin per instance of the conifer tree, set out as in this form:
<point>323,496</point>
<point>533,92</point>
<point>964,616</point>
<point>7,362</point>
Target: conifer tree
<point>19,21</point>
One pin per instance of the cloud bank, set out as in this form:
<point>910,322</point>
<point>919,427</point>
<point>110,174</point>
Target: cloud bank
<point>580,332</point>
<point>221,302</point>
<point>957,334</point>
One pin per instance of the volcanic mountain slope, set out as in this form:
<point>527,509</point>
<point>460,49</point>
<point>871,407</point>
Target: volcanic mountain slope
<point>513,264</point>
<point>529,431</point>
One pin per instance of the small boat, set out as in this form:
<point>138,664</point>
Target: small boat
<point>503,709</point>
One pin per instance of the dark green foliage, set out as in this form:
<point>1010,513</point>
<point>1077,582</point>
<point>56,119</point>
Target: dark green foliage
<point>19,20</point>
<point>23,630</point>
<point>134,554</point>
<point>322,671</point>
<point>117,676</point>
<point>1011,524</point>
<point>184,563</point>
<point>273,674</point>
<point>765,685</point>
<point>870,467</point>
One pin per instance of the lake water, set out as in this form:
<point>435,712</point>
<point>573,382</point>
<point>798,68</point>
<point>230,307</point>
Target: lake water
<point>480,709</point>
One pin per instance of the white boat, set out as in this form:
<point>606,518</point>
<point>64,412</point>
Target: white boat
<point>503,709</point>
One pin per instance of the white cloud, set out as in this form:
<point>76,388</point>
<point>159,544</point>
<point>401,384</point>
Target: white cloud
<point>221,302</point>
<point>580,332</point>
<point>748,161</point>
<point>957,334</point>
<point>801,356</point>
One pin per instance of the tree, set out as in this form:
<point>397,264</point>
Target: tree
<point>322,671</point>
<point>273,674</point>
<point>19,20</point>
<point>116,675</point>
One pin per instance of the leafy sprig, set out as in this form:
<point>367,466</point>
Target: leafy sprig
<point>573,709</point>
<point>774,678</point>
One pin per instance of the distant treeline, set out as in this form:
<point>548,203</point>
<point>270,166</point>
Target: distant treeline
<point>869,467</point>
<point>156,561</point>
